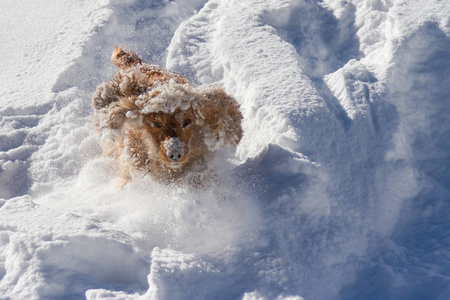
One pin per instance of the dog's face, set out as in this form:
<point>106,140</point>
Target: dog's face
<point>170,134</point>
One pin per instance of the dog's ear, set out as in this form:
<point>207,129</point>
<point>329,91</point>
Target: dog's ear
<point>115,116</point>
<point>112,106</point>
<point>124,59</point>
<point>105,94</point>
<point>219,115</point>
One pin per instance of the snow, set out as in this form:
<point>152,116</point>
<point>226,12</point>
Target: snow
<point>339,188</point>
<point>42,46</point>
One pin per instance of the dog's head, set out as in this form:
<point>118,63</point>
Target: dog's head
<point>171,134</point>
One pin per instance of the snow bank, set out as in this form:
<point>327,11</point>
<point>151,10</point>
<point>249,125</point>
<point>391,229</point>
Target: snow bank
<point>40,46</point>
<point>339,189</point>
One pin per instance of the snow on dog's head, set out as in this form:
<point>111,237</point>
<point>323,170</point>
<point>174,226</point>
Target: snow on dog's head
<point>155,121</point>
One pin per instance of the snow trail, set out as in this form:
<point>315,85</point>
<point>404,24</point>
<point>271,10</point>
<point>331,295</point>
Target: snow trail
<point>339,189</point>
<point>70,179</point>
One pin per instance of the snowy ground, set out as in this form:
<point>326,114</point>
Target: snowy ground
<point>340,188</point>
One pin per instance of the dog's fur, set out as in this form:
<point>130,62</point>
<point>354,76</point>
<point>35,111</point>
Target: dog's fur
<point>153,120</point>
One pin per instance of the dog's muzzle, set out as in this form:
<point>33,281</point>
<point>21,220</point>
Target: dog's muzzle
<point>174,149</point>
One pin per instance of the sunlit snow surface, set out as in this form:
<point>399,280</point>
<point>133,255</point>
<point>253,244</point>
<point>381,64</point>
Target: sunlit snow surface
<point>340,188</point>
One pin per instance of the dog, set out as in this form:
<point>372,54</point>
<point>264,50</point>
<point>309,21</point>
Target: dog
<point>154,121</point>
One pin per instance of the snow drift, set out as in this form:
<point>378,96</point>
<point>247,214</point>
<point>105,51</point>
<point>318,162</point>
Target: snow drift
<point>338,190</point>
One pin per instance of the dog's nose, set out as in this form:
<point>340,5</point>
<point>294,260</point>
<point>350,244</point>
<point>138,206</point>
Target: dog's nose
<point>174,149</point>
<point>175,155</point>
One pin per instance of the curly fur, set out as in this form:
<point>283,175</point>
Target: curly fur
<point>153,120</point>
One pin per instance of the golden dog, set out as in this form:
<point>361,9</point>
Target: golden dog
<point>154,121</point>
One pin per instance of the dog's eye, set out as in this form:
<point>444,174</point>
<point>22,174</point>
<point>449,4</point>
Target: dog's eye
<point>186,123</point>
<point>157,125</point>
